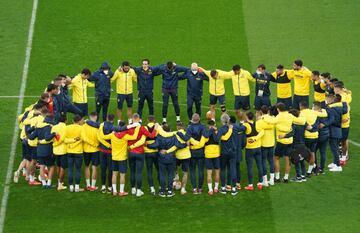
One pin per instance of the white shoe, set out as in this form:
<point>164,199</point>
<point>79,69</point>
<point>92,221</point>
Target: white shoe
<point>71,188</point>
<point>331,165</point>
<point>139,193</point>
<point>183,191</point>
<point>265,183</point>
<point>271,182</point>
<point>336,169</point>
<point>133,191</point>
<point>16,177</point>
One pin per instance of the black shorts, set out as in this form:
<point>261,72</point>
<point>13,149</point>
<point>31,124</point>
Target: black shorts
<point>119,166</point>
<point>185,163</point>
<point>311,143</point>
<point>345,133</point>
<point>242,102</point>
<point>83,108</point>
<point>298,98</point>
<point>61,161</point>
<point>286,101</point>
<point>260,101</point>
<point>92,157</point>
<point>25,151</point>
<point>32,152</point>
<point>47,160</point>
<point>282,150</point>
<point>214,99</point>
<point>212,163</point>
<point>121,98</point>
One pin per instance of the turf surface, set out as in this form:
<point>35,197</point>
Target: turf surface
<point>70,35</point>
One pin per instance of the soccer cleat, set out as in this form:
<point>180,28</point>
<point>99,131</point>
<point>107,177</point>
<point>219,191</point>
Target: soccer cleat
<point>336,169</point>
<point>265,183</point>
<point>308,175</point>
<point>285,181</point>
<point>296,179</point>
<point>61,187</point>
<point>114,194</point>
<point>31,183</point>
<point>250,187</point>
<point>303,178</point>
<point>238,186</point>
<point>183,192</point>
<point>271,182</point>
<point>153,192</point>
<point>216,190</point>
<point>139,193</point>
<point>170,194</point>
<point>195,191</point>
<point>71,189</point>
<point>92,188</point>
<point>321,172</point>
<point>228,188</point>
<point>162,194</point>
<point>109,189</point>
<point>234,191</point>
<point>222,190</point>
<point>16,177</point>
<point>199,191</point>
<point>103,190</point>
<point>79,190</point>
<point>123,194</point>
<point>88,188</point>
<point>133,191</point>
<point>331,165</point>
<point>211,193</point>
<point>259,186</point>
<point>277,180</point>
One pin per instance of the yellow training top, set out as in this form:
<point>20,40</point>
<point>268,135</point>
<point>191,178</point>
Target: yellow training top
<point>216,85</point>
<point>59,146</point>
<point>124,81</point>
<point>79,89</point>
<point>240,82</point>
<point>89,138</point>
<point>283,84</point>
<point>73,139</point>
<point>268,140</point>
<point>302,80</point>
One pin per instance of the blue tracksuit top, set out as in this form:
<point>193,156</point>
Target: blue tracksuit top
<point>165,143</point>
<point>44,133</point>
<point>102,81</point>
<point>194,82</point>
<point>145,78</point>
<point>170,77</point>
<point>335,118</point>
<point>262,83</point>
<point>228,147</point>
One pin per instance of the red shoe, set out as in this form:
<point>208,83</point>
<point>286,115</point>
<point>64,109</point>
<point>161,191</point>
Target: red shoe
<point>259,186</point>
<point>88,188</point>
<point>92,189</point>
<point>123,194</point>
<point>249,187</point>
<point>238,186</point>
<point>228,188</point>
<point>216,190</point>
<point>114,194</point>
<point>31,183</point>
<point>210,193</point>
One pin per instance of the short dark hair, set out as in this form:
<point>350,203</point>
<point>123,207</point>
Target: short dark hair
<point>62,118</point>
<point>250,115</point>
<point>93,114</point>
<point>169,65</point>
<point>166,127</point>
<point>147,60</point>
<point>180,125</point>
<point>339,84</point>
<point>273,111</point>
<point>294,112</point>
<point>38,106</point>
<point>337,98</point>
<point>333,80</point>
<point>304,104</point>
<point>317,104</point>
<point>61,76</point>
<point>121,123</point>
<point>125,63</point>
<point>151,118</point>
<point>213,73</point>
<point>298,62</point>
<point>264,109</point>
<point>232,119</point>
<point>58,78</point>
<point>45,111</point>
<point>77,118</point>
<point>86,71</point>
<point>325,74</point>
<point>262,66</point>
<point>110,117</point>
<point>211,122</point>
<point>236,67</point>
<point>281,106</point>
<point>51,87</point>
<point>44,96</point>
<point>315,72</point>
<point>280,67</point>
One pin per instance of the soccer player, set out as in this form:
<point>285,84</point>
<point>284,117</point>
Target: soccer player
<point>79,85</point>
<point>44,148</point>
<point>91,151</point>
<point>124,77</point>
<point>262,88</point>
<point>302,80</point>
<point>253,150</point>
<point>74,148</point>
<point>64,82</point>
<point>216,88</point>
<point>346,97</point>
<point>323,138</point>
<point>195,81</point>
<point>267,144</point>
<point>336,109</point>
<point>119,157</point>
<point>136,156</point>
<point>59,150</point>
<point>319,88</point>
<point>240,82</point>
<point>145,85</point>
<point>283,78</point>
<point>101,78</point>
<point>170,73</point>
<point>167,160</point>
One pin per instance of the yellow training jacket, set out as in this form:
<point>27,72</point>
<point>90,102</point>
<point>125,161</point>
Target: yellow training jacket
<point>346,96</point>
<point>33,122</point>
<point>59,146</point>
<point>283,84</point>
<point>268,140</point>
<point>89,138</point>
<point>183,153</point>
<point>216,85</point>
<point>240,82</point>
<point>302,81</point>
<point>319,91</point>
<point>253,132</point>
<point>311,117</point>
<point>79,89</point>
<point>73,146</point>
<point>124,81</point>
<point>119,150</point>
<point>22,122</point>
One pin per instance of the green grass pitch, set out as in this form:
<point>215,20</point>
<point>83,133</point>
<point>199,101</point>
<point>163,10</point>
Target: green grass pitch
<point>70,35</point>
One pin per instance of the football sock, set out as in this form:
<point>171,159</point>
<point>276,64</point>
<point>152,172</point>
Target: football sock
<point>210,187</point>
<point>93,183</point>
<point>114,188</point>
<point>87,182</point>
<point>277,175</point>
<point>122,188</point>
<point>286,176</point>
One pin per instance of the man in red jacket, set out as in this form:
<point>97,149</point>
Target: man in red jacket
<point>136,156</point>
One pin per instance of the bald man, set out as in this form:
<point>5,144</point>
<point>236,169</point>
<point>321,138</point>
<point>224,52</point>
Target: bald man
<point>195,79</point>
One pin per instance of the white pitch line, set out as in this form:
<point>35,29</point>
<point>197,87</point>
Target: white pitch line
<point>5,197</point>
<point>354,143</point>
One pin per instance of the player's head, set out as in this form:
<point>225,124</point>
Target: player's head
<point>166,127</point>
<point>330,98</point>
<point>195,118</point>
<point>37,108</point>
<point>110,118</point>
<point>236,68</point>
<point>281,107</point>
<point>125,66</point>
<point>77,119</point>
<point>211,123</point>
<point>326,76</point>
<point>52,89</point>
<point>225,119</point>
<point>44,98</point>
<point>194,67</point>
<point>151,119</point>
<point>279,69</point>
<point>294,112</point>
<point>273,111</point>
<point>58,81</point>
<point>315,75</point>
<point>297,64</point>
<point>121,123</point>
<point>180,126</point>
<point>135,118</point>
<point>264,110</point>
<point>105,67</point>
<point>250,116</point>
<point>45,112</point>
<point>93,116</point>
<point>213,73</point>
<point>145,63</point>
<point>303,105</point>
<point>170,65</point>
<point>338,86</point>
<point>316,105</point>
<point>63,118</point>
<point>337,98</point>
<point>261,68</point>
<point>232,120</point>
<point>85,73</point>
